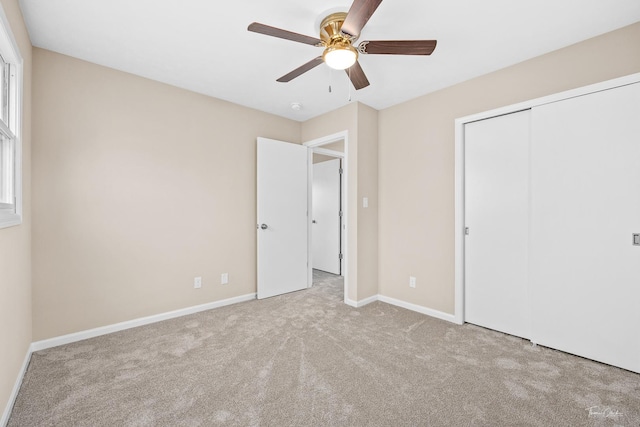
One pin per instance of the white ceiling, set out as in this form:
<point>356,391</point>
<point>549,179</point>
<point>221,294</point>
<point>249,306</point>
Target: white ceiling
<point>204,45</point>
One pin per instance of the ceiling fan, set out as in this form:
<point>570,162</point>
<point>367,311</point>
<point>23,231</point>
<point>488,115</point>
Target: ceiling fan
<point>338,32</point>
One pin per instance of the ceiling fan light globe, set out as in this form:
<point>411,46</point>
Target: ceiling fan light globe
<point>340,58</point>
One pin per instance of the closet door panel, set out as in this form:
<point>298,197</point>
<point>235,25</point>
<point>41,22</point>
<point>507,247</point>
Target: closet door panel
<point>585,194</point>
<point>496,213</point>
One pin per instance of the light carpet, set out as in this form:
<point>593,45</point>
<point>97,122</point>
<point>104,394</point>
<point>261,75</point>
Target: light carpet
<point>307,359</point>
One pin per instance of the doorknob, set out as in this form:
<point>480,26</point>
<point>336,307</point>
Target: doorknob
<point>314,221</point>
<point>264,226</point>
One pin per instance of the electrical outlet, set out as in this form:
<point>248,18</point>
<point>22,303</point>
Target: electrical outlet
<point>412,282</point>
<point>224,278</point>
<point>197,282</point>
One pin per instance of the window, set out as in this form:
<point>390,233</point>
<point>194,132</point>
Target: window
<point>10,126</point>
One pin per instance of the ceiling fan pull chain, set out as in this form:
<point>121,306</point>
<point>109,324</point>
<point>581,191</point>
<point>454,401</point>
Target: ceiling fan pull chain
<point>330,78</point>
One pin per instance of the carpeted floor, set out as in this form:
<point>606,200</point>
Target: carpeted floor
<point>307,359</point>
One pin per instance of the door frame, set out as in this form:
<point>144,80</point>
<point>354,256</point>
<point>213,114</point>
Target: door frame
<point>459,168</point>
<point>315,146</point>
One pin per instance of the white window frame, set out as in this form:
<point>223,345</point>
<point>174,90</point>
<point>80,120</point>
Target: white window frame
<point>11,214</point>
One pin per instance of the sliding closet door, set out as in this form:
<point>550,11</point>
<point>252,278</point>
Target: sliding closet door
<point>585,271</point>
<point>496,214</point>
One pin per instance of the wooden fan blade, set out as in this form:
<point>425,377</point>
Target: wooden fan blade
<point>358,16</point>
<point>398,47</point>
<point>256,27</point>
<point>357,76</point>
<point>301,70</point>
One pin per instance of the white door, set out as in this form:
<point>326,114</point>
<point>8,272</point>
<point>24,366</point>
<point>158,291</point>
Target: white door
<point>282,185</point>
<point>496,214</point>
<point>586,207</point>
<point>325,226</point>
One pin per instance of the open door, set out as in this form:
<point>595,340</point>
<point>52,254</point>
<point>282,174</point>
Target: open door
<point>282,222</point>
<point>326,216</point>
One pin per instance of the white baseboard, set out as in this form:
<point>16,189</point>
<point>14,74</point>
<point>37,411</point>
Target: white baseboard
<point>369,300</point>
<point>79,336</point>
<point>83,335</point>
<point>413,307</point>
<point>362,302</point>
<point>16,388</point>
<point>351,302</point>
<point>103,330</point>
<point>420,309</point>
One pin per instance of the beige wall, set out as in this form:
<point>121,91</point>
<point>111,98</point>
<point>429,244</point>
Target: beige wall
<point>334,146</point>
<point>15,242</point>
<point>417,158</point>
<point>138,188</point>
<point>319,158</point>
<point>367,187</point>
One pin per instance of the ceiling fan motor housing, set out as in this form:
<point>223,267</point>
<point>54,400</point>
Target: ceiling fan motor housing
<point>332,38</point>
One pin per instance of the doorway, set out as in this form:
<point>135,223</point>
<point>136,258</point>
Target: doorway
<point>328,213</point>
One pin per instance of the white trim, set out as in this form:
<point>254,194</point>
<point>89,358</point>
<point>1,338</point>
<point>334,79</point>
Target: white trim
<point>309,217</point>
<point>328,140</point>
<point>326,152</point>
<point>103,330</point>
<point>418,308</point>
<point>339,136</point>
<point>91,333</point>
<point>560,96</point>
<point>362,302</point>
<point>459,166</point>
<point>459,224</point>
<point>11,219</point>
<point>14,57</point>
<point>351,302</point>
<point>369,300</point>
<point>16,388</point>
<point>399,303</point>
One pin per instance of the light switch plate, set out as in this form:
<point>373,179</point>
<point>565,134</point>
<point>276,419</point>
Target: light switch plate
<point>365,202</point>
